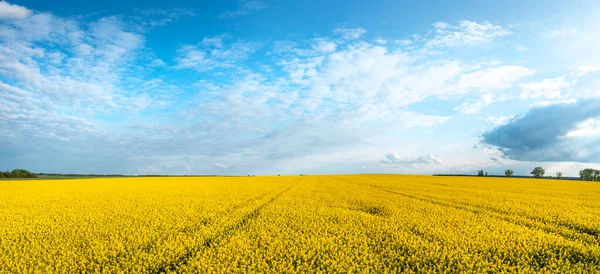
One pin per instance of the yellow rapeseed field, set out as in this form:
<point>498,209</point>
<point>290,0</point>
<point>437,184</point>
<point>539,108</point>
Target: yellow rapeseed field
<point>346,223</point>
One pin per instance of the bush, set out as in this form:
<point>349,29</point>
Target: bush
<point>18,173</point>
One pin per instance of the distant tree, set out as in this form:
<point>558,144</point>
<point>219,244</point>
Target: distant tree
<point>583,175</point>
<point>589,174</point>
<point>480,172</point>
<point>538,172</point>
<point>508,173</point>
<point>18,173</point>
<point>559,175</point>
<point>486,173</point>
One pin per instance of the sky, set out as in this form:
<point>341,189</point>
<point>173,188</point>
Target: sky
<point>299,87</point>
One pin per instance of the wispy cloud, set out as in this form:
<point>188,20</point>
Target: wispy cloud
<point>562,32</point>
<point>245,7</point>
<point>549,88</point>
<point>153,17</point>
<point>214,52</point>
<point>350,33</point>
<point>466,33</point>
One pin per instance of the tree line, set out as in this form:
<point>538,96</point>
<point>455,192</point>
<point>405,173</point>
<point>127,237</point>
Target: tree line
<point>17,173</point>
<point>588,174</point>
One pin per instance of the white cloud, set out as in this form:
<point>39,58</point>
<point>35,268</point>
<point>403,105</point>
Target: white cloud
<point>549,103</point>
<point>60,76</point>
<point>217,165</point>
<point>489,81</point>
<point>563,32</point>
<point>500,120</point>
<point>465,33</point>
<point>302,100</point>
<point>404,42</point>
<point>587,128</point>
<point>350,33</point>
<point>381,41</point>
<point>246,7</point>
<point>69,74</point>
<point>155,17</point>
<point>12,11</point>
<point>361,71</point>
<point>214,52</point>
<point>441,25</point>
<point>474,107</point>
<point>158,63</point>
<point>583,70</point>
<point>323,45</point>
<point>548,88</point>
<point>395,159</point>
<point>495,78</point>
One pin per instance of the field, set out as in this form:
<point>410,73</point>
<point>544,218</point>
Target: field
<point>346,223</point>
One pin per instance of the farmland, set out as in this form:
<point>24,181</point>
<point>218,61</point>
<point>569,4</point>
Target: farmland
<point>343,223</point>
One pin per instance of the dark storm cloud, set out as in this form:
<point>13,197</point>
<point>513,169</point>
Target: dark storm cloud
<point>540,134</point>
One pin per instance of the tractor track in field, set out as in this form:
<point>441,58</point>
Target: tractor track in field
<point>157,241</point>
<point>583,234</point>
<point>219,236</point>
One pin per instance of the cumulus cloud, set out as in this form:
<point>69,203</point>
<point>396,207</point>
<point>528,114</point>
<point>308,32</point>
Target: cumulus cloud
<point>10,11</point>
<point>552,132</point>
<point>58,76</point>
<point>350,33</point>
<point>395,159</point>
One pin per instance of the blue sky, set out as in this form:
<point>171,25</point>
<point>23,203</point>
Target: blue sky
<point>288,87</point>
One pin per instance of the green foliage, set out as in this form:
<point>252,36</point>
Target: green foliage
<point>589,174</point>
<point>17,173</point>
<point>538,172</point>
<point>509,173</point>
